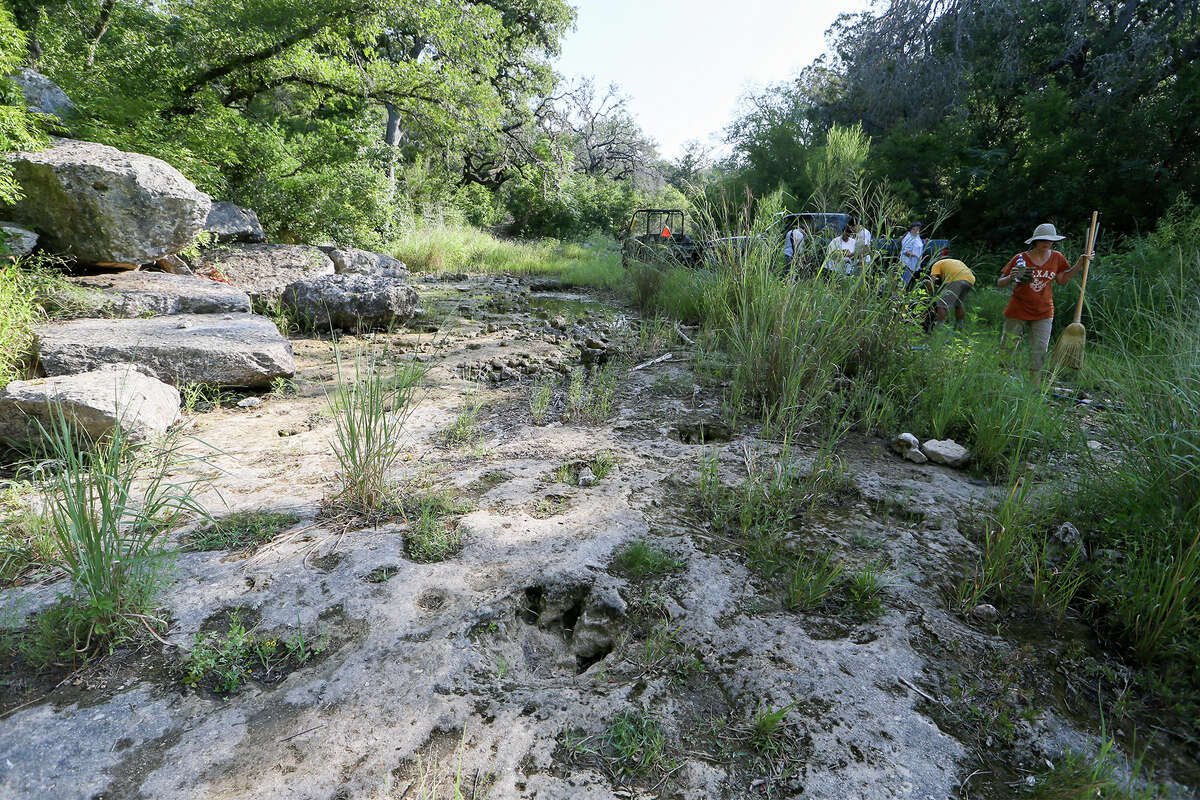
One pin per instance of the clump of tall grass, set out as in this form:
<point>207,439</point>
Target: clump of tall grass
<point>110,503</point>
<point>25,286</point>
<point>370,408</point>
<point>445,247</point>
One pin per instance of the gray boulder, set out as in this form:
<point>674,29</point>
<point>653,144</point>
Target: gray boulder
<point>16,241</point>
<point>351,260</point>
<point>95,401</point>
<point>42,94</point>
<point>265,270</point>
<point>137,293</point>
<point>946,451</point>
<point>221,349</point>
<point>104,206</point>
<point>230,222</point>
<point>351,301</point>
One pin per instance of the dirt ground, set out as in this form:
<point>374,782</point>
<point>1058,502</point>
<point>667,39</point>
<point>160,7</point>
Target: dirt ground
<point>530,664</point>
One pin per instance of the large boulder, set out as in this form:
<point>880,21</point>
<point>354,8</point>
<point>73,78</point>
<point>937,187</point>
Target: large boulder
<point>137,294</point>
<point>265,270</point>
<point>229,222</point>
<point>351,260</point>
<point>42,94</point>
<point>351,302</point>
<point>94,401</point>
<point>104,206</point>
<point>16,241</point>
<point>221,349</point>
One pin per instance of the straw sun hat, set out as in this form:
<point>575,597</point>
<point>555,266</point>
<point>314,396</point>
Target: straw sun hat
<point>1045,231</point>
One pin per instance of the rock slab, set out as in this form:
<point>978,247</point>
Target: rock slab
<point>230,222</point>
<point>221,349</point>
<point>351,302</point>
<point>265,270</point>
<point>946,451</point>
<point>100,205</point>
<point>137,293</point>
<point>95,401</point>
<point>351,260</point>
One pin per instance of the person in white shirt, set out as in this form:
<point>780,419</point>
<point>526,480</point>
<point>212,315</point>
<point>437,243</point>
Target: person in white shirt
<point>862,243</point>
<point>793,245</point>
<point>839,256</point>
<point>911,248</point>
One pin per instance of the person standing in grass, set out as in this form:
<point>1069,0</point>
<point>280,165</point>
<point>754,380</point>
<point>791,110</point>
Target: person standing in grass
<point>862,243</point>
<point>950,281</point>
<point>912,246</point>
<point>1031,308</point>
<point>793,244</point>
<point>839,256</point>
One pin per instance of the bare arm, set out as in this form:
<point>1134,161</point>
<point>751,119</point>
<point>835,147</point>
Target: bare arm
<point>1064,277</point>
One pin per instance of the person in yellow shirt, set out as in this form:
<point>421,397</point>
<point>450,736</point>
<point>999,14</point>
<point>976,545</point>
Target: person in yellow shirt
<point>950,280</point>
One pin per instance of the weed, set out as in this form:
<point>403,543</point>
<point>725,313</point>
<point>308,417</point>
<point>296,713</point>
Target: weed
<point>767,729</point>
<point>242,530</point>
<point>225,661</point>
<point>549,506</point>
<point>539,400</point>
<point>591,396</point>
<point>465,429</point>
<point>863,591</point>
<point>26,542</point>
<point>1081,777</point>
<point>812,580</point>
<point>369,413</point>
<point>433,526</point>
<point>602,464</point>
<point>633,744</point>
<point>284,387</point>
<point>382,574</point>
<point>641,559</point>
<point>201,397</point>
<point>109,505</point>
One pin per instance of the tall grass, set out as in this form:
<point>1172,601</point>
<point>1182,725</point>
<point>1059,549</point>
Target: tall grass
<point>110,504</point>
<point>370,409</point>
<point>26,286</point>
<point>444,247</point>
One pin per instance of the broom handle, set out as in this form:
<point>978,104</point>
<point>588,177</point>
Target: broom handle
<point>1087,262</point>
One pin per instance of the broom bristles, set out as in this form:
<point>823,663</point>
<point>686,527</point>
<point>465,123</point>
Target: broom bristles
<point>1069,350</point>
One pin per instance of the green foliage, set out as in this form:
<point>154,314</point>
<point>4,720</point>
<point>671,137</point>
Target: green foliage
<point>811,580</point>
<point>641,559</point>
<point>465,428</point>
<point>1077,776</point>
<point>433,526</point>
<point>224,662</point>
<point>767,729</point>
<point>26,542</point>
<point>110,504</point>
<point>19,129</point>
<point>369,412</point>
<point>591,395</point>
<point>539,400</point>
<point>243,530</point>
<point>24,287</point>
<point>635,744</point>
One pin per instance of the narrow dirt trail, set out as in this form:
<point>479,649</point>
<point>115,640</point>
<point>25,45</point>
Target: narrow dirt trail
<point>511,662</point>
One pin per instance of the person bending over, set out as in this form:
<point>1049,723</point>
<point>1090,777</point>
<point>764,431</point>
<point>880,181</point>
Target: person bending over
<point>950,281</point>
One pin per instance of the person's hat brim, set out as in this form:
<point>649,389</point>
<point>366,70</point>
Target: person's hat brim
<point>1033,239</point>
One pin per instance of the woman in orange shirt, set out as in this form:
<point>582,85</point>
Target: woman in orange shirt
<point>1031,307</point>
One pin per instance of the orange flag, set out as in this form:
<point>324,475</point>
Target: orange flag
<point>666,234</point>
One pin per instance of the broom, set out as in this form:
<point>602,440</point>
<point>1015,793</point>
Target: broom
<point>1069,350</point>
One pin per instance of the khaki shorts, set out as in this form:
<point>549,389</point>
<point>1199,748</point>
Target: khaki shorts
<point>1039,337</point>
<point>953,294</point>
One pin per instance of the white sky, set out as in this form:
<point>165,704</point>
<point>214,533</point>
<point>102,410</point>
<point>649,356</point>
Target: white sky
<point>685,63</point>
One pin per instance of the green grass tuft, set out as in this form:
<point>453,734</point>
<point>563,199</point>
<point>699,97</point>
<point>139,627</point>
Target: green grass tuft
<point>243,530</point>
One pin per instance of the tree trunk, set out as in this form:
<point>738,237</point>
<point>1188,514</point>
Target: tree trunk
<point>391,137</point>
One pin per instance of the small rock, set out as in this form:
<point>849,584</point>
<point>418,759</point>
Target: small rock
<point>946,451</point>
<point>16,241</point>
<point>903,443</point>
<point>558,322</point>
<point>587,477</point>
<point>229,222</point>
<point>1093,444</point>
<point>183,325</point>
<point>985,612</point>
<point>173,265</point>
<point>916,456</point>
<point>43,95</point>
<point>250,402</point>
